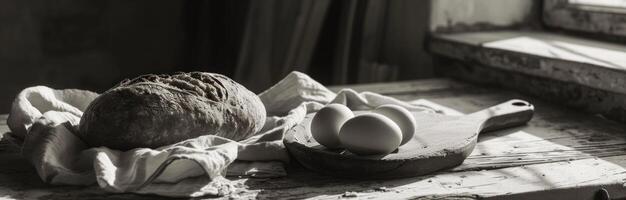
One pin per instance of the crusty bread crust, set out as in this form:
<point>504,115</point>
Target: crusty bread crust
<point>157,110</point>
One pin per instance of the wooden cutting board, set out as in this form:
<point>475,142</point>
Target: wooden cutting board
<point>440,142</point>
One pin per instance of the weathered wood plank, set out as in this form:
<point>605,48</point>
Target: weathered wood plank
<point>588,16</point>
<point>595,64</point>
<point>561,180</point>
<point>578,72</point>
<point>578,153</point>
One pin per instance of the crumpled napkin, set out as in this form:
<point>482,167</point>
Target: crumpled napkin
<point>45,121</point>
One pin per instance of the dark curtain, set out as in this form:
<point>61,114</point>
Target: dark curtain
<point>95,44</point>
<point>336,42</point>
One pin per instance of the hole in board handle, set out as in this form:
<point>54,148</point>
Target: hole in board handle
<point>519,103</point>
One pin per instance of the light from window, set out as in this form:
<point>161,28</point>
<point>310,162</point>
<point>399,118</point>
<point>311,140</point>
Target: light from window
<point>601,55</point>
<point>602,3</point>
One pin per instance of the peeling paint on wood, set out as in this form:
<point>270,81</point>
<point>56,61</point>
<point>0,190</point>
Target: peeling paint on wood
<point>605,20</point>
<point>609,104</point>
<point>598,73</point>
<point>597,88</point>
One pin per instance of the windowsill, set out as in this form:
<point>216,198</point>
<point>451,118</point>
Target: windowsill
<point>591,63</point>
<point>590,18</point>
<point>593,72</point>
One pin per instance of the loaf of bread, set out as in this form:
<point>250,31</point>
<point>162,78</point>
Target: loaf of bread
<point>156,110</point>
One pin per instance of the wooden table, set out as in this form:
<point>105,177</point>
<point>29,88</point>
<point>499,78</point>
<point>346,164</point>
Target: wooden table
<point>560,154</point>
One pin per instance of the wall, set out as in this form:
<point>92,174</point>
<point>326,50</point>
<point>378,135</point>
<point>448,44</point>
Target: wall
<point>86,44</point>
<point>461,15</point>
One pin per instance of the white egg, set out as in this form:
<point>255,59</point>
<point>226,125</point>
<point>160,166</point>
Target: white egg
<point>327,122</point>
<point>370,134</point>
<point>402,117</point>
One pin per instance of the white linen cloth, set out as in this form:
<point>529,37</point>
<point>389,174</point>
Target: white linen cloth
<point>44,121</point>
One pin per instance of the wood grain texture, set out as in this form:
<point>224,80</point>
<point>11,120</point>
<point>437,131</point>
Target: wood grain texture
<point>560,154</point>
<point>575,71</point>
<point>601,20</point>
<point>440,142</point>
<point>587,62</point>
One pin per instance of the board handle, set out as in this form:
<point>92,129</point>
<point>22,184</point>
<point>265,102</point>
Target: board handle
<point>514,112</point>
